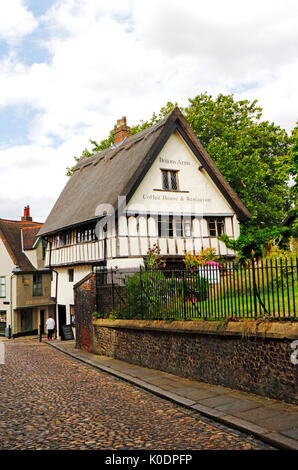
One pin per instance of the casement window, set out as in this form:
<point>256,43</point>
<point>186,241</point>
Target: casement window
<point>85,234</point>
<point>70,275</point>
<point>170,180</point>
<point>178,227</point>
<point>216,226</point>
<point>187,227</point>
<point>182,227</point>
<point>37,284</point>
<point>64,238</point>
<point>165,226</point>
<point>2,286</point>
<point>43,249</point>
<point>174,227</point>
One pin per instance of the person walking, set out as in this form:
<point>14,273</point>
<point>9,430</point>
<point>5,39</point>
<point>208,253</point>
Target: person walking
<point>50,326</point>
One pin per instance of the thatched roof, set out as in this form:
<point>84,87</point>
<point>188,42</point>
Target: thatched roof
<point>11,235</point>
<point>118,171</point>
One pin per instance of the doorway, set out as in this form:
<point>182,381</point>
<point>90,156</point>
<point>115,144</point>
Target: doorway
<point>61,318</point>
<point>26,320</point>
<point>41,321</point>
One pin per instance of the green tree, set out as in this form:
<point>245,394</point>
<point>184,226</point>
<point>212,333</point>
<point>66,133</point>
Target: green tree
<point>293,162</point>
<point>257,242</point>
<point>249,152</point>
<point>252,154</point>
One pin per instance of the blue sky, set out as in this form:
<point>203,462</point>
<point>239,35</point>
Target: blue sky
<point>70,68</point>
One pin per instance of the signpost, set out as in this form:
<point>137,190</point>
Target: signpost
<point>67,333</point>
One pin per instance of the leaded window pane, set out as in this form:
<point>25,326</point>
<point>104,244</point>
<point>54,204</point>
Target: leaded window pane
<point>174,180</point>
<point>220,227</point>
<point>212,228</point>
<point>165,180</point>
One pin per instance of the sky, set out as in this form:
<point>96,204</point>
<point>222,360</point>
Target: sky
<point>70,68</point>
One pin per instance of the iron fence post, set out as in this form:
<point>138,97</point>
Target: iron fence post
<point>184,302</point>
<point>254,287</point>
<point>141,293</point>
<point>113,300</point>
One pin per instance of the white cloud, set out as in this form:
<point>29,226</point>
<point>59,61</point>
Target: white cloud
<point>16,20</point>
<point>129,57</point>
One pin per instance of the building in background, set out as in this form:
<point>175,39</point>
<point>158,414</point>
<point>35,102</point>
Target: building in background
<point>25,284</point>
<point>156,187</point>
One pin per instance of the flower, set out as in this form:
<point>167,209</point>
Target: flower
<point>213,263</point>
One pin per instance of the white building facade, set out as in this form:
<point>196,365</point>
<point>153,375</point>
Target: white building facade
<point>157,187</point>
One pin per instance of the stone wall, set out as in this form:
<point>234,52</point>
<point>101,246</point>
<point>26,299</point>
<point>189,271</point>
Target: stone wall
<point>85,306</point>
<point>247,355</point>
<point>253,356</point>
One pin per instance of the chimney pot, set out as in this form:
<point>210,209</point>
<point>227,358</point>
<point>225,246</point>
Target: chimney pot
<point>122,130</point>
<point>26,217</point>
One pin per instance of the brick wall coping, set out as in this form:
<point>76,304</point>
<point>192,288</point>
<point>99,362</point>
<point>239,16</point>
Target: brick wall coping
<point>243,328</point>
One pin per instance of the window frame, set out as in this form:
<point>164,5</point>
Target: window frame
<point>217,221</point>
<point>169,179</point>
<point>3,285</point>
<point>85,234</point>
<point>71,275</point>
<point>35,291</point>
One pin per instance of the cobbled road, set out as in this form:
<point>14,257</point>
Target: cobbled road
<point>49,401</point>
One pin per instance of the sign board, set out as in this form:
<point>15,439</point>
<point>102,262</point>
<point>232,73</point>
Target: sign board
<point>67,332</point>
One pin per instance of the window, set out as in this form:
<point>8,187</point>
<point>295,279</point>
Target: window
<point>169,226</point>
<point>216,227</point>
<point>64,238</point>
<point>72,315</point>
<point>43,248</point>
<point>85,234</point>
<point>187,228</point>
<point>2,322</point>
<point>2,286</point>
<point>165,226</point>
<point>178,227</point>
<point>170,180</point>
<point>37,284</point>
<point>70,275</point>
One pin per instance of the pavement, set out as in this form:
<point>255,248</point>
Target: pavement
<point>272,421</point>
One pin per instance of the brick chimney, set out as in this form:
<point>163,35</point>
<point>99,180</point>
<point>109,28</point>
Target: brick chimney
<point>26,217</point>
<point>121,131</point>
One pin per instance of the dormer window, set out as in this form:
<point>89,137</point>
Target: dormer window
<point>169,180</point>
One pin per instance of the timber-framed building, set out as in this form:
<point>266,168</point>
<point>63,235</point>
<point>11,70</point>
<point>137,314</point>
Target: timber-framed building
<point>159,186</point>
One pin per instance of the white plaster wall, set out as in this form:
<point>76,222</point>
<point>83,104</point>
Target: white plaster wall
<point>125,263</point>
<point>6,267</point>
<point>65,295</point>
<point>203,196</point>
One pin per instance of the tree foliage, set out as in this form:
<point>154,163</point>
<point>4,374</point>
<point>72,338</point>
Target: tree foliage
<point>250,153</point>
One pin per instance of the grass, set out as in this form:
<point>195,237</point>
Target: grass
<point>274,296</point>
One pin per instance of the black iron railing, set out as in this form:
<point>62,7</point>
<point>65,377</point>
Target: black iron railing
<point>211,291</point>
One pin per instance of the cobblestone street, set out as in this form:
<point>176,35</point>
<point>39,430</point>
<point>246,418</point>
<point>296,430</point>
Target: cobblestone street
<point>50,401</point>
